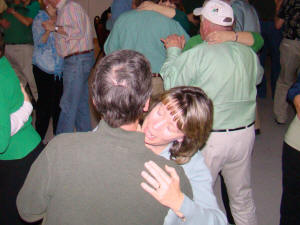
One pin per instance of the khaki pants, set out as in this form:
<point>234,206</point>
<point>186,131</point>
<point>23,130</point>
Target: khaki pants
<point>20,57</point>
<point>230,152</point>
<point>290,63</point>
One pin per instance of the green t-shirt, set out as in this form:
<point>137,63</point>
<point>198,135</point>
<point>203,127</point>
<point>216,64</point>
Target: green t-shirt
<point>11,98</point>
<point>17,32</point>
<point>195,40</point>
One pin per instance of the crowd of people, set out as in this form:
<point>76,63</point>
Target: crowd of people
<point>176,92</point>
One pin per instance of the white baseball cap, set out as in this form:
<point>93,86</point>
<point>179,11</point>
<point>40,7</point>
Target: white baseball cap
<point>216,11</point>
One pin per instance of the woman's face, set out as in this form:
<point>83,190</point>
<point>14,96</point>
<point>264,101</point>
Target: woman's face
<point>160,128</point>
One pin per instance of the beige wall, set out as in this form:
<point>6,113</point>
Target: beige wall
<point>94,7</point>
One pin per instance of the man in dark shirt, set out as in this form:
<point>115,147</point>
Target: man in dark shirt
<point>266,11</point>
<point>289,17</point>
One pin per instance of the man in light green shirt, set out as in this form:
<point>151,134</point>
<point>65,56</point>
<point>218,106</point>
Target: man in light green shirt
<point>228,73</point>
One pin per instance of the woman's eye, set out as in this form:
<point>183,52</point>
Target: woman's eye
<point>160,112</point>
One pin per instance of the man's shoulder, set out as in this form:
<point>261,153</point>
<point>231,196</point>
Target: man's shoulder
<point>70,141</point>
<point>143,14</point>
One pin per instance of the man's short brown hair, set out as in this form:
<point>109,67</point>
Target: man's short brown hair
<point>121,87</point>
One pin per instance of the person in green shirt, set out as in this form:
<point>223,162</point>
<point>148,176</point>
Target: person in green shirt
<point>228,72</point>
<point>17,151</point>
<point>16,21</point>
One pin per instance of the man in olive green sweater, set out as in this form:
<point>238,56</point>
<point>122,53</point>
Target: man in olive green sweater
<point>94,177</point>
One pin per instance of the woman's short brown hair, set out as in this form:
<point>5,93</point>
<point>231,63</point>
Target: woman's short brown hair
<point>193,112</point>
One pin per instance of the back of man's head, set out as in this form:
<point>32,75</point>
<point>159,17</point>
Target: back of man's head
<point>121,87</point>
<point>2,44</point>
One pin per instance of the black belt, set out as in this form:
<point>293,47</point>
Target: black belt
<point>18,44</point>
<point>234,129</point>
<point>156,75</point>
<point>79,53</point>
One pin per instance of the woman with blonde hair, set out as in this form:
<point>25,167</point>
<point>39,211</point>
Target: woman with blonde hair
<point>177,128</point>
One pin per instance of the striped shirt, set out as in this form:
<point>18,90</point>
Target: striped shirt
<point>76,23</point>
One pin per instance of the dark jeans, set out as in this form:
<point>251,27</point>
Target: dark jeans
<point>290,201</point>
<point>272,38</point>
<point>49,93</point>
<point>75,111</point>
<point>12,177</point>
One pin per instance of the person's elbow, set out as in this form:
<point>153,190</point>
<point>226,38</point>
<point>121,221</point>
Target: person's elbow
<point>27,22</point>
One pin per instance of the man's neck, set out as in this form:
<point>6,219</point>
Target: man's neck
<point>130,126</point>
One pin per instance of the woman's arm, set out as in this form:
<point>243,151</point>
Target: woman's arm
<point>165,188</point>
<point>27,21</point>
<point>151,6</point>
<point>21,116</point>
<point>251,39</point>
<point>169,12</point>
<point>40,35</point>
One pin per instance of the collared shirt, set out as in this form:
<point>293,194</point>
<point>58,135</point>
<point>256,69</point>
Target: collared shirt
<point>141,31</point>
<point>44,54</point>
<point>203,209</point>
<point>227,72</point>
<point>290,13</point>
<point>245,16</point>
<point>76,23</point>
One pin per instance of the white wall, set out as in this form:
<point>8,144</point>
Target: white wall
<point>94,8</point>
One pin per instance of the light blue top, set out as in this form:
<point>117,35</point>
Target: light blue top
<point>141,31</point>
<point>44,54</point>
<point>245,16</point>
<point>203,209</point>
